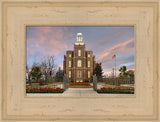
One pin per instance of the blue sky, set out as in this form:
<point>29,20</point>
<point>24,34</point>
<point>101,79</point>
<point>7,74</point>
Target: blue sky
<point>104,41</point>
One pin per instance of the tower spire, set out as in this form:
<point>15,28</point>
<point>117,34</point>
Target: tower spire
<point>79,39</point>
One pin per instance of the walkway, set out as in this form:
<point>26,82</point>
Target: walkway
<point>79,92</point>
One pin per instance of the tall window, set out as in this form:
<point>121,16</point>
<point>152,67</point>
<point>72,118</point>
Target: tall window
<point>89,64</point>
<point>79,63</point>
<point>69,63</point>
<point>79,73</point>
<point>69,74</point>
<point>89,75</point>
<point>69,55</point>
<point>79,52</point>
<point>89,55</point>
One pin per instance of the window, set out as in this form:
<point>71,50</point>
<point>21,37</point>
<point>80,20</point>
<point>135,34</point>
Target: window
<point>69,74</point>
<point>89,55</point>
<point>79,63</point>
<point>79,52</point>
<point>79,73</point>
<point>89,64</point>
<point>89,75</point>
<point>69,55</point>
<point>69,63</point>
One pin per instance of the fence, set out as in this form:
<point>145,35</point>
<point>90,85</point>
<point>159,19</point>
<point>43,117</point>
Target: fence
<point>65,82</point>
<point>118,81</point>
<point>94,82</point>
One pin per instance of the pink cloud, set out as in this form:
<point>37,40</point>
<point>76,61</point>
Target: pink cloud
<point>120,46</point>
<point>108,39</point>
<point>49,41</point>
<point>109,73</point>
<point>30,52</point>
<point>131,69</point>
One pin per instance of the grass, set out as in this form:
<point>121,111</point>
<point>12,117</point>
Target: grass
<point>33,85</point>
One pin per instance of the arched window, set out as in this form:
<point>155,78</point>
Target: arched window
<point>70,55</point>
<point>89,74</point>
<point>89,55</point>
<point>79,74</point>
<point>69,74</point>
<point>79,63</point>
<point>69,63</point>
<point>89,64</point>
<point>79,52</point>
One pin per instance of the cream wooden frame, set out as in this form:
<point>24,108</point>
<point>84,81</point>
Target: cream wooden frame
<point>16,14</point>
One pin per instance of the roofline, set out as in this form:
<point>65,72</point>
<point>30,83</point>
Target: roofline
<point>69,51</point>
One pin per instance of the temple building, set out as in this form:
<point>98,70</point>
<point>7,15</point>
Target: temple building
<point>78,64</point>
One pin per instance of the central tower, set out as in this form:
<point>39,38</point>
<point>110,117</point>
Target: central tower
<point>79,59</point>
<point>79,63</point>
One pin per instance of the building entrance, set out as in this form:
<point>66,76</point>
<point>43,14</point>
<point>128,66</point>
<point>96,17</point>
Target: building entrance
<point>79,80</point>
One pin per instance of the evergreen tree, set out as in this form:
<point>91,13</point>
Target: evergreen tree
<point>98,71</point>
<point>36,73</point>
<point>59,75</point>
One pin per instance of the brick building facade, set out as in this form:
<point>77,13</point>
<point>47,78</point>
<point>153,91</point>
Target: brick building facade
<point>79,63</point>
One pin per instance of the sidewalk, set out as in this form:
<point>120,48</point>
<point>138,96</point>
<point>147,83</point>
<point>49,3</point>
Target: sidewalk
<point>79,92</point>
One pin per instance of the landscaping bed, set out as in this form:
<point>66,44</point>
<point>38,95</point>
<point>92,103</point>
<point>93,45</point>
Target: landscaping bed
<point>79,85</point>
<point>44,90</point>
<point>115,90</point>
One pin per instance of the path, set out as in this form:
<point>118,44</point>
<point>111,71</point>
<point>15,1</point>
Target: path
<point>80,92</point>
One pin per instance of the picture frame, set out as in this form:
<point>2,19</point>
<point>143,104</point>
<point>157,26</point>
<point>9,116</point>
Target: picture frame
<point>17,14</point>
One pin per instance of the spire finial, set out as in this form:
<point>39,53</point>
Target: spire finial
<point>79,37</point>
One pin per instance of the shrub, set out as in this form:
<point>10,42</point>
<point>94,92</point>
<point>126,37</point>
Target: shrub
<point>116,90</point>
<point>87,81</point>
<point>41,83</point>
<point>44,90</point>
<point>79,84</point>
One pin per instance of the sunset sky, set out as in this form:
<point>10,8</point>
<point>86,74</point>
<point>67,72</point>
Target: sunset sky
<point>104,41</point>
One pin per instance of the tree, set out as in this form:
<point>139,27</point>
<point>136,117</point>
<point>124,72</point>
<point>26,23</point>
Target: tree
<point>36,73</point>
<point>59,75</point>
<point>36,64</point>
<point>28,75</point>
<point>131,75</point>
<point>48,67</point>
<point>98,71</point>
<point>123,72</point>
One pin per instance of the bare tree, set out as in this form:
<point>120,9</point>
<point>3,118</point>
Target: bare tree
<point>28,75</point>
<point>35,64</point>
<point>48,67</point>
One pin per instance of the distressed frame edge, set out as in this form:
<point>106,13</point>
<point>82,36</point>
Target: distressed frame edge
<point>3,60</point>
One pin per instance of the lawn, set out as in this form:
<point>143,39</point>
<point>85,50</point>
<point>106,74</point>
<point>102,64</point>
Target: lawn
<point>33,84</point>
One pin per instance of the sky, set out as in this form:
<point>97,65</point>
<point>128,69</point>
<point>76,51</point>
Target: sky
<point>104,41</point>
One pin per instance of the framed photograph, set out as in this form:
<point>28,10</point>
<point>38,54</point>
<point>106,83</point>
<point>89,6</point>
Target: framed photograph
<point>79,60</point>
<point>62,61</point>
